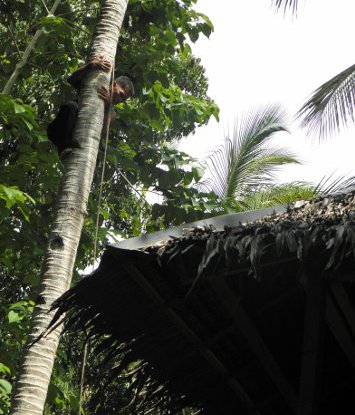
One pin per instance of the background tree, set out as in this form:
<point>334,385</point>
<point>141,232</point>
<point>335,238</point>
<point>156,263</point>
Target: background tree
<point>245,163</point>
<point>241,171</point>
<point>24,58</point>
<point>332,105</point>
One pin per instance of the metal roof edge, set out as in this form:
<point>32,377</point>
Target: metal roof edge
<point>218,222</point>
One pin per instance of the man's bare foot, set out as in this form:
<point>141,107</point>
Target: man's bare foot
<point>65,153</point>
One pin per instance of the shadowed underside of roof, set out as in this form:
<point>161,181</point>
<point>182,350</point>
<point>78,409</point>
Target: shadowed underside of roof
<point>255,319</point>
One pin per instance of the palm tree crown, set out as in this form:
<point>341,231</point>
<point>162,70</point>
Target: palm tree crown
<point>333,103</point>
<point>246,160</point>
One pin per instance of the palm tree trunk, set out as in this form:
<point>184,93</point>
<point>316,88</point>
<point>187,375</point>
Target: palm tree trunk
<point>9,84</point>
<point>34,374</point>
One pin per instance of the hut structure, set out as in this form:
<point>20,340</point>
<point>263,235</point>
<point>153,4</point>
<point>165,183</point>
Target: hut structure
<point>256,318</point>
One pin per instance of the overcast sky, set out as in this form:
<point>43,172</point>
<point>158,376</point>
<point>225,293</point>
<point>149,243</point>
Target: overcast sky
<point>257,56</point>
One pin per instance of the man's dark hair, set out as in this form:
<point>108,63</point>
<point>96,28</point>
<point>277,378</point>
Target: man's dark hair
<point>126,83</point>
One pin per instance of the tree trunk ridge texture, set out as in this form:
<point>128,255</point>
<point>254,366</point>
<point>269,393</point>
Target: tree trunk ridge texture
<point>34,374</point>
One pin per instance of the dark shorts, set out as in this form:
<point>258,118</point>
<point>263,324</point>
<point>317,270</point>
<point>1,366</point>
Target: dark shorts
<point>60,130</point>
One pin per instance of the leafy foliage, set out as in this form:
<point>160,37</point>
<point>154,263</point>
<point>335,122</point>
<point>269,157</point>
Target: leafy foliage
<point>14,319</point>
<point>171,100</point>
<point>289,193</point>
<point>277,195</point>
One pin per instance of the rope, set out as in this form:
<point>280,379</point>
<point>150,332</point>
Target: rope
<point>107,127</point>
<point>82,373</point>
<point>142,197</point>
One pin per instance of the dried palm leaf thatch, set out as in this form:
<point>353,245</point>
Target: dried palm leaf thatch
<point>156,307</point>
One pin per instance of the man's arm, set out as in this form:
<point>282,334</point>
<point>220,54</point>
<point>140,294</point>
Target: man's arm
<point>97,63</point>
<point>110,115</point>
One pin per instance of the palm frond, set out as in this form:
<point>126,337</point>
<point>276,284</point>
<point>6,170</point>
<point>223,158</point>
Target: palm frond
<point>286,5</point>
<point>329,184</point>
<point>280,195</point>
<point>250,135</point>
<point>244,160</point>
<point>265,165</point>
<point>287,193</point>
<point>331,105</point>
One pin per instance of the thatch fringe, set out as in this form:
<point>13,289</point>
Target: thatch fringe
<point>134,324</point>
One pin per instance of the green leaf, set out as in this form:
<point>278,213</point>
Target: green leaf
<point>19,109</point>
<point>104,213</point>
<point>20,305</point>
<point>156,124</point>
<point>14,317</point>
<point>28,124</point>
<point>12,196</point>
<point>4,369</point>
<point>5,386</point>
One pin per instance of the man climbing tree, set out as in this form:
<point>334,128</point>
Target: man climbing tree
<point>35,372</point>
<point>60,130</point>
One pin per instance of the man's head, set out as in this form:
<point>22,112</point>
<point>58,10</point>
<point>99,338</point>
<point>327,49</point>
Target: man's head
<point>122,89</point>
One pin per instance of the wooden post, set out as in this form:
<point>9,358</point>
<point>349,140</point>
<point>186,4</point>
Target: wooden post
<point>310,381</point>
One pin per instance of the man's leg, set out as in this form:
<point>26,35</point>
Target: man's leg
<point>60,130</point>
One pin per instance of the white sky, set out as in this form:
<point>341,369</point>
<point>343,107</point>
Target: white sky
<point>256,56</point>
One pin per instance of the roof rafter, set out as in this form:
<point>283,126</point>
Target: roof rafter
<point>338,327</point>
<point>245,325</point>
<point>215,364</point>
<point>344,304</point>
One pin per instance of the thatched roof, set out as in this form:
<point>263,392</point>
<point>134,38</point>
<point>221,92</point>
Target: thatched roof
<point>232,321</point>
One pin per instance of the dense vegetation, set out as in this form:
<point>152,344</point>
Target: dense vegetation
<point>171,100</point>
